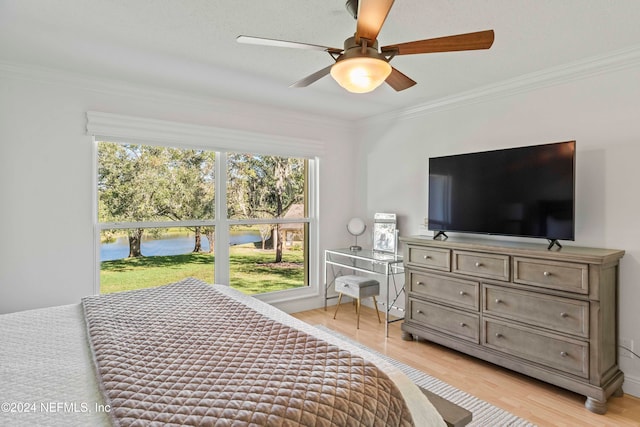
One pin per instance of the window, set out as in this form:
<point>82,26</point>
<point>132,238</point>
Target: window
<point>268,194</point>
<point>160,221</point>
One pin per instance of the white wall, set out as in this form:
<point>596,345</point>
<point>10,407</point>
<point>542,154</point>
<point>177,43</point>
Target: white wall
<point>46,174</point>
<point>599,112</point>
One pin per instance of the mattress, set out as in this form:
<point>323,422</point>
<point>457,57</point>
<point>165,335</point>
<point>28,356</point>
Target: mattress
<point>47,376</point>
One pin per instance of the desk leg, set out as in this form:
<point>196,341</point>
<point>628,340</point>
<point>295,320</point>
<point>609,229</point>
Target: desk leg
<point>386,309</point>
<point>325,281</point>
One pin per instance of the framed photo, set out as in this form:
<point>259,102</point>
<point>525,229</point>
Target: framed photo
<point>384,233</point>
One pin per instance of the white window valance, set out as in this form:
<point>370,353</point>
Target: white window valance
<point>131,129</point>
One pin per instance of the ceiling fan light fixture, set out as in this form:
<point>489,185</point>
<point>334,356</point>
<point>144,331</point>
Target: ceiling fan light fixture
<point>362,66</point>
<point>360,74</point>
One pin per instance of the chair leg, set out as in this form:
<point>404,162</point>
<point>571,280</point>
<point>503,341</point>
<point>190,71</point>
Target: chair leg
<point>358,314</point>
<point>375,304</point>
<point>338,305</point>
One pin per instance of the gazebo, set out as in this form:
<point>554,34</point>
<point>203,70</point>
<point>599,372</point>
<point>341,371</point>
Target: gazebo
<point>293,232</point>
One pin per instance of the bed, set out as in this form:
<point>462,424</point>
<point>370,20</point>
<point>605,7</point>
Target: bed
<point>190,353</point>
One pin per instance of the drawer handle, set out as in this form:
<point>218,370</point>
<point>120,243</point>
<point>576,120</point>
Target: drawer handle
<point>564,315</point>
<point>498,301</point>
<point>499,335</point>
<point>462,324</point>
<point>564,354</point>
<point>419,283</point>
<point>462,293</point>
<point>547,274</point>
<point>478,264</point>
<point>419,311</point>
<point>426,257</point>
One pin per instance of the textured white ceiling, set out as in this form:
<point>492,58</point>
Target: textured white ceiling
<point>190,45</point>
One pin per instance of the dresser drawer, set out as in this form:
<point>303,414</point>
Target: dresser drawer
<point>437,259</point>
<point>448,320</point>
<point>555,313</point>
<point>491,266</point>
<point>566,355</point>
<point>565,276</point>
<point>457,292</point>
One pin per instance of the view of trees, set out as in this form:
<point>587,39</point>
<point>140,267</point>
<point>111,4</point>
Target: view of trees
<point>264,187</point>
<point>140,183</point>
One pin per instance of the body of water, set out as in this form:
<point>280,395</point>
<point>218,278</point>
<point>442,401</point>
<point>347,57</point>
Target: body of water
<point>174,245</point>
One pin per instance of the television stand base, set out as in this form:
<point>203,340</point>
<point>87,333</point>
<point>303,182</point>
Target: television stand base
<point>440,235</point>
<point>553,242</point>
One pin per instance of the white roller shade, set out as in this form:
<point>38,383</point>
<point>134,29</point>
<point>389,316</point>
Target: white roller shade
<point>131,129</point>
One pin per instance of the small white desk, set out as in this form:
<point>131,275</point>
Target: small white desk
<point>366,261</point>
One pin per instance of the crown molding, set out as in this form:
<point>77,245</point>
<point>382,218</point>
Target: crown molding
<point>577,70</point>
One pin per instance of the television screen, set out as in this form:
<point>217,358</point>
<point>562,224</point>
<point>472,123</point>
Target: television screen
<point>525,191</point>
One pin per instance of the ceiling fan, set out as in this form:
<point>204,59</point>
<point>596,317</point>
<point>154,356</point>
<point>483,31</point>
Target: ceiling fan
<point>360,66</point>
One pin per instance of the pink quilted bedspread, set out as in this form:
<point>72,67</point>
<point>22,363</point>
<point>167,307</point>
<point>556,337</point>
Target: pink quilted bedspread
<point>187,354</point>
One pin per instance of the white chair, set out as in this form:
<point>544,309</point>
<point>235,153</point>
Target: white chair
<point>357,287</point>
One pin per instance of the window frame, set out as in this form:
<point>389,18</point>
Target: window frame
<point>131,130</point>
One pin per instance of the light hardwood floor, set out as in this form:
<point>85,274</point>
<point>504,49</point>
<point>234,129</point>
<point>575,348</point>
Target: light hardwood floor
<point>538,402</point>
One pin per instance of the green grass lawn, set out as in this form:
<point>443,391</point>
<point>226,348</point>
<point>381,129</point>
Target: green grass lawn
<point>252,270</point>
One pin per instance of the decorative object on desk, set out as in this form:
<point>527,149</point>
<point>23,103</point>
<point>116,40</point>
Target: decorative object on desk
<point>385,235</point>
<point>356,227</point>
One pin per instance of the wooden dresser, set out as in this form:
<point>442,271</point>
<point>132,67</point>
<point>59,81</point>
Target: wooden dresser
<point>549,314</point>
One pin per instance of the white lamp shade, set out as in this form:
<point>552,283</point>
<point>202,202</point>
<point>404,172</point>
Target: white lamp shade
<point>360,74</point>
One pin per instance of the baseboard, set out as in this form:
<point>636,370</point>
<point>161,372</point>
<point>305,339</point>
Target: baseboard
<point>631,385</point>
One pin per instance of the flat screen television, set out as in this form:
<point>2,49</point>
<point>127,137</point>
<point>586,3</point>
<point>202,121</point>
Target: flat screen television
<point>523,191</point>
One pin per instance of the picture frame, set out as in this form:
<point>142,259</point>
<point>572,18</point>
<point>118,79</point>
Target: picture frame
<point>385,234</point>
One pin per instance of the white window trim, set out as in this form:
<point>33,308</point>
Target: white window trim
<point>137,130</point>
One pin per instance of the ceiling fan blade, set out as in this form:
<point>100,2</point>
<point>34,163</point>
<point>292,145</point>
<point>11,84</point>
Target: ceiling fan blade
<point>470,41</point>
<point>284,43</point>
<point>371,16</point>
<point>399,81</point>
<point>312,78</point>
